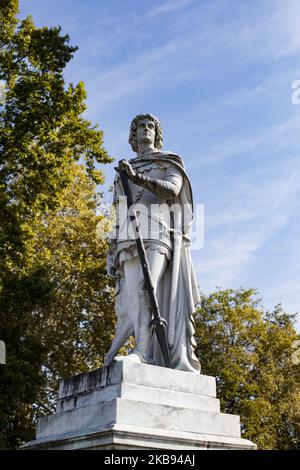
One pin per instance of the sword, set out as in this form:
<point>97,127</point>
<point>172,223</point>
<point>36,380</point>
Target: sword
<point>158,323</point>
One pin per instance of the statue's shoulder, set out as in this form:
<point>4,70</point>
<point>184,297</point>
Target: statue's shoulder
<point>167,153</point>
<point>172,156</point>
<point>158,158</point>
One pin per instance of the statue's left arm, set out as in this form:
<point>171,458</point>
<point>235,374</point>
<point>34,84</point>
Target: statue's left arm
<point>167,188</point>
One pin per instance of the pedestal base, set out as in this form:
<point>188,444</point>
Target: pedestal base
<point>138,406</point>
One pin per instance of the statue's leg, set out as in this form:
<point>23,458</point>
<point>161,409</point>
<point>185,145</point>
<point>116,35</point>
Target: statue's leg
<point>125,326</point>
<point>141,312</point>
<point>124,329</point>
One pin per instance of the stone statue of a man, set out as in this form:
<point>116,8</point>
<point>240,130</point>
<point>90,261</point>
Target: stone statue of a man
<point>163,199</point>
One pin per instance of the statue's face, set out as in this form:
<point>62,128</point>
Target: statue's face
<point>145,133</point>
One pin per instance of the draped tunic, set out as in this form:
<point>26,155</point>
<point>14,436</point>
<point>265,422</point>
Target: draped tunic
<point>163,186</point>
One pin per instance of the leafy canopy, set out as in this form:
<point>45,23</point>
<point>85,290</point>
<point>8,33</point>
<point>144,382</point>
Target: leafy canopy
<point>251,353</point>
<point>42,135</point>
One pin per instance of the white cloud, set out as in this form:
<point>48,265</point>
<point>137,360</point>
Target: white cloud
<point>191,48</point>
<point>242,224</point>
<point>170,6</point>
<point>270,35</point>
<point>284,26</point>
<point>275,136</point>
<point>286,188</point>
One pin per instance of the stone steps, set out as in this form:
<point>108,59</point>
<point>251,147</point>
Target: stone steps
<point>139,413</point>
<point>129,405</point>
<point>139,374</point>
<point>139,393</point>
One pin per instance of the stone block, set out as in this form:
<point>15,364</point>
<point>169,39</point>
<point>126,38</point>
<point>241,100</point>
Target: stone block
<point>138,406</point>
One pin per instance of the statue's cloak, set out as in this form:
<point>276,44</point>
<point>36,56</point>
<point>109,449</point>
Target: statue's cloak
<point>177,292</point>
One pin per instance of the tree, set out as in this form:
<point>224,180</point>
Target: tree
<point>76,326</point>
<point>42,128</point>
<point>250,352</point>
<point>42,134</point>
<point>72,327</point>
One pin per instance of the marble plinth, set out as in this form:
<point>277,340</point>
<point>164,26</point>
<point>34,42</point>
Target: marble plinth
<point>138,406</point>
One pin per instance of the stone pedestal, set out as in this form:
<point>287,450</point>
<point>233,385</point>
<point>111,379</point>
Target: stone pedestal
<point>138,406</point>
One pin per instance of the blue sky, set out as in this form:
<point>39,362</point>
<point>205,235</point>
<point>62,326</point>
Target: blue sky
<point>218,74</point>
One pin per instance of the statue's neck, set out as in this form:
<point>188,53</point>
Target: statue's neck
<point>146,150</point>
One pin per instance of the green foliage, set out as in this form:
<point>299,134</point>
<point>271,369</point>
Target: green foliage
<point>67,322</point>
<point>8,20</point>
<point>42,135</point>
<point>76,325</point>
<point>251,354</point>
<point>42,130</point>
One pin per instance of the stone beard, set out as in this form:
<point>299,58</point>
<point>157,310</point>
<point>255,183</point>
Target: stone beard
<point>163,199</point>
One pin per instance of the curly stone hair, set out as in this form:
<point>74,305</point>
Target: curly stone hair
<point>133,127</point>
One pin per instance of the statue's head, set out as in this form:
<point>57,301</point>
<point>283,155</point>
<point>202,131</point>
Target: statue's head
<point>134,128</point>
